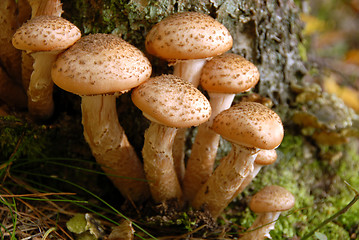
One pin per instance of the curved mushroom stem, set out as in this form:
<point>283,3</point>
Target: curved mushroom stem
<point>189,71</point>
<point>261,227</point>
<point>249,178</point>
<point>204,149</point>
<point>40,102</point>
<point>158,162</point>
<point>220,187</point>
<point>110,146</point>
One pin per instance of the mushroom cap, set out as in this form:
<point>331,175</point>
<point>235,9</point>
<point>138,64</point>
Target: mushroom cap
<point>172,102</point>
<point>250,124</point>
<point>100,64</point>
<point>266,157</point>
<point>188,35</point>
<point>272,199</point>
<point>46,33</point>
<point>229,73</point>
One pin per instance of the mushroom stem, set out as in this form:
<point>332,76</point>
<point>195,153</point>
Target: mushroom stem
<point>158,162</point>
<point>110,146</point>
<point>189,71</point>
<point>220,187</point>
<point>261,227</point>
<point>40,102</point>
<point>204,149</point>
<point>249,178</point>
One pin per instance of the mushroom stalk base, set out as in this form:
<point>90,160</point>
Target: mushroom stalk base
<point>40,102</point>
<point>264,223</point>
<point>219,189</point>
<point>158,162</point>
<point>189,71</point>
<point>204,149</point>
<point>111,148</point>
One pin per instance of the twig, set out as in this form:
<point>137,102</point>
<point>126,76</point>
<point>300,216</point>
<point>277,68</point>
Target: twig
<point>340,212</point>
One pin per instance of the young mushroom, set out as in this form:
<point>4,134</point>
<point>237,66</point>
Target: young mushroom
<point>268,204</point>
<point>44,37</point>
<point>99,67</point>
<point>222,77</point>
<point>170,103</point>
<point>249,126</point>
<point>186,40</point>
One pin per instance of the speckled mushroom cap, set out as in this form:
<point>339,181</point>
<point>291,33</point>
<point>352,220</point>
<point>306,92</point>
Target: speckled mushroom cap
<point>266,157</point>
<point>188,35</point>
<point>170,101</point>
<point>46,33</point>
<point>272,199</point>
<point>250,124</point>
<point>229,73</point>
<point>100,64</point>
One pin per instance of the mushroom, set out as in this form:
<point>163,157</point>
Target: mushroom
<point>34,8</point>
<point>222,77</point>
<point>264,157</point>
<point>268,203</point>
<point>249,126</point>
<point>186,40</point>
<point>44,37</point>
<point>99,67</point>
<point>170,103</point>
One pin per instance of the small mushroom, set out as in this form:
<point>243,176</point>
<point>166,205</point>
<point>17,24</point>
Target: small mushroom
<point>44,37</point>
<point>170,103</point>
<point>222,77</point>
<point>268,203</point>
<point>249,126</point>
<point>99,67</point>
<point>186,40</point>
<point>34,8</point>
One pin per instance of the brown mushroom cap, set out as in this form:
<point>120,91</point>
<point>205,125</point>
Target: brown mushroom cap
<point>266,157</point>
<point>272,199</point>
<point>99,64</point>
<point>188,35</point>
<point>170,101</point>
<point>46,33</point>
<point>250,124</point>
<point>229,73</point>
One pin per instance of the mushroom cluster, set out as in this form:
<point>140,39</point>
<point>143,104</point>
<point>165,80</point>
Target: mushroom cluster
<point>100,67</point>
